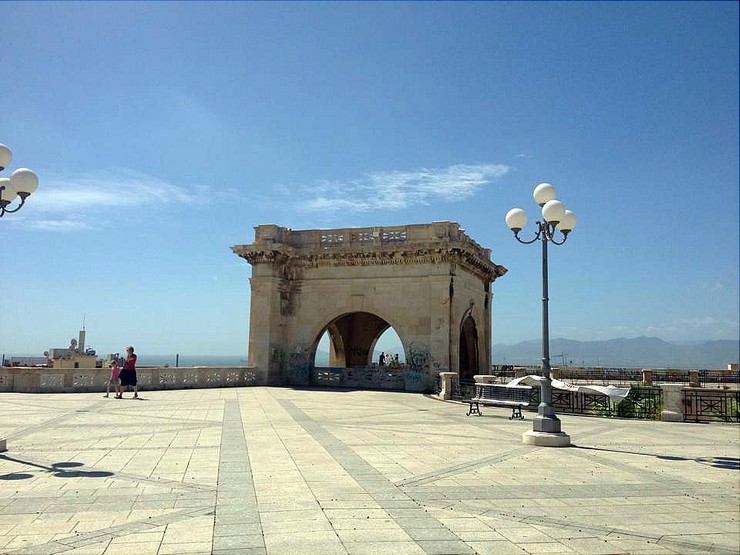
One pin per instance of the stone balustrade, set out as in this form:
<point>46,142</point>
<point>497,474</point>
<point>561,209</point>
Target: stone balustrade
<point>74,380</point>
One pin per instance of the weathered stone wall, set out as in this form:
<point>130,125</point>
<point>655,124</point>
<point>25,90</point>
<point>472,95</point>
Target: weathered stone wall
<point>423,280</point>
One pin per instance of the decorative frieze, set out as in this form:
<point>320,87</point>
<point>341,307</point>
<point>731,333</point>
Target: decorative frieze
<point>393,254</point>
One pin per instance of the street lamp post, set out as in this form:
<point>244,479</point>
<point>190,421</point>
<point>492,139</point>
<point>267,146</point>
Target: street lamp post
<point>21,183</point>
<point>546,425</point>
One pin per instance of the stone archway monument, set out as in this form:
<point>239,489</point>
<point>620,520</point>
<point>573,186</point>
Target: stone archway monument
<point>430,282</point>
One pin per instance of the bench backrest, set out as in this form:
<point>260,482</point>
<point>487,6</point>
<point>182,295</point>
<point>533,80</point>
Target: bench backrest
<point>503,392</point>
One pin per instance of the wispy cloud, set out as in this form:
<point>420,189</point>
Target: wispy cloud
<point>60,225</point>
<point>398,190</point>
<point>113,188</point>
<point>712,286</point>
<point>76,203</point>
<point>707,321</point>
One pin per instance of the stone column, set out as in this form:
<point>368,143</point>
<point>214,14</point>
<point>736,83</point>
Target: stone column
<point>672,403</point>
<point>647,377</point>
<point>445,380</point>
<point>694,378</point>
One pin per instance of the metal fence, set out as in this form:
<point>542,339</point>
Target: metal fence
<point>642,402</point>
<point>625,375</point>
<point>711,405</point>
<point>722,377</point>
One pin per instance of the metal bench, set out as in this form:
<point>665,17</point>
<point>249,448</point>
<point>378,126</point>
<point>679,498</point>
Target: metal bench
<point>514,396</point>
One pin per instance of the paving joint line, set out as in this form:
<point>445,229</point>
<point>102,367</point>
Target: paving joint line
<point>605,530</point>
<point>234,449</point>
<point>462,468</point>
<point>99,536</point>
<point>46,423</point>
<point>371,480</point>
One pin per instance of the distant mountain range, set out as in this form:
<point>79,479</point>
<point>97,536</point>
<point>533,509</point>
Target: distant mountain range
<point>647,352</point>
<point>638,352</point>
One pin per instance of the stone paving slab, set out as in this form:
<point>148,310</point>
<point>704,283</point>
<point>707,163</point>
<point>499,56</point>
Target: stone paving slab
<point>275,471</point>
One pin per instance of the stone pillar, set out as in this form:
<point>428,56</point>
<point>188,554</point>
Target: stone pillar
<point>694,378</point>
<point>484,378</point>
<point>555,373</point>
<point>647,377</point>
<point>672,403</point>
<point>445,380</point>
<point>519,372</point>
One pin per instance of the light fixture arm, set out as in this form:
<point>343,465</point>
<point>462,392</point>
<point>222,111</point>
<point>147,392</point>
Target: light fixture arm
<point>545,232</point>
<point>22,183</point>
<point>522,241</point>
<point>4,210</point>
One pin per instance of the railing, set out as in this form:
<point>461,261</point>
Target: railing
<point>707,405</point>
<point>723,377</point>
<point>79,380</point>
<point>604,375</point>
<point>672,376</point>
<point>460,389</point>
<point>623,376</point>
<point>463,389</point>
<point>384,377</point>
<point>25,361</point>
<point>642,403</point>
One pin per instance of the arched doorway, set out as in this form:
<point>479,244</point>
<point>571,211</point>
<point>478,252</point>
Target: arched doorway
<point>468,349</point>
<point>348,353</point>
<point>388,348</point>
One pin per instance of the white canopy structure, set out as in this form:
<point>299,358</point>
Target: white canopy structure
<point>616,394</point>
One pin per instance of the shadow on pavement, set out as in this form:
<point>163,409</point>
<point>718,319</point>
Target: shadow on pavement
<point>60,470</point>
<point>726,463</point>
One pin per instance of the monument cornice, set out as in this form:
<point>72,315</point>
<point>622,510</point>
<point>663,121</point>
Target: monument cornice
<point>389,255</point>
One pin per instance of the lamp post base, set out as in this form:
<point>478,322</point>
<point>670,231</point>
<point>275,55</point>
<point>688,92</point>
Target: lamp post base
<point>546,439</point>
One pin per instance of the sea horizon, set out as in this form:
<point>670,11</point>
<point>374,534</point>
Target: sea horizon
<point>191,360</point>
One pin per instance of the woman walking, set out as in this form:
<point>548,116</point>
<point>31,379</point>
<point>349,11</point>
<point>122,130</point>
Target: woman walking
<point>128,374</point>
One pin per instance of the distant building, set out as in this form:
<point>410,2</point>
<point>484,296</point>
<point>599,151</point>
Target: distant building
<point>74,356</point>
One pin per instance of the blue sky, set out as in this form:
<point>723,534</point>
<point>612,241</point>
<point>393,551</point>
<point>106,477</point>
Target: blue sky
<point>163,132</point>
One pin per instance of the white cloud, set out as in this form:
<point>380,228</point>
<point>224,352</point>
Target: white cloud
<point>712,287</point>
<point>59,225</point>
<point>113,188</point>
<point>396,190</point>
<point>707,321</point>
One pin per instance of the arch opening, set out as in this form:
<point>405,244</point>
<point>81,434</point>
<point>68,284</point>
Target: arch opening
<point>358,339</point>
<point>468,351</point>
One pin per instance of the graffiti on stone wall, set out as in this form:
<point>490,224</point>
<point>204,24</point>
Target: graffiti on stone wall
<point>294,365</point>
<point>277,362</point>
<point>417,368</point>
<point>418,358</point>
<point>299,366</point>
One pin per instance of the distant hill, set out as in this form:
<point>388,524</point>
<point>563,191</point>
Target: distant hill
<point>648,352</point>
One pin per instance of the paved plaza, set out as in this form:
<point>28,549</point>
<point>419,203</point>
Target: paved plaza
<point>289,471</point>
